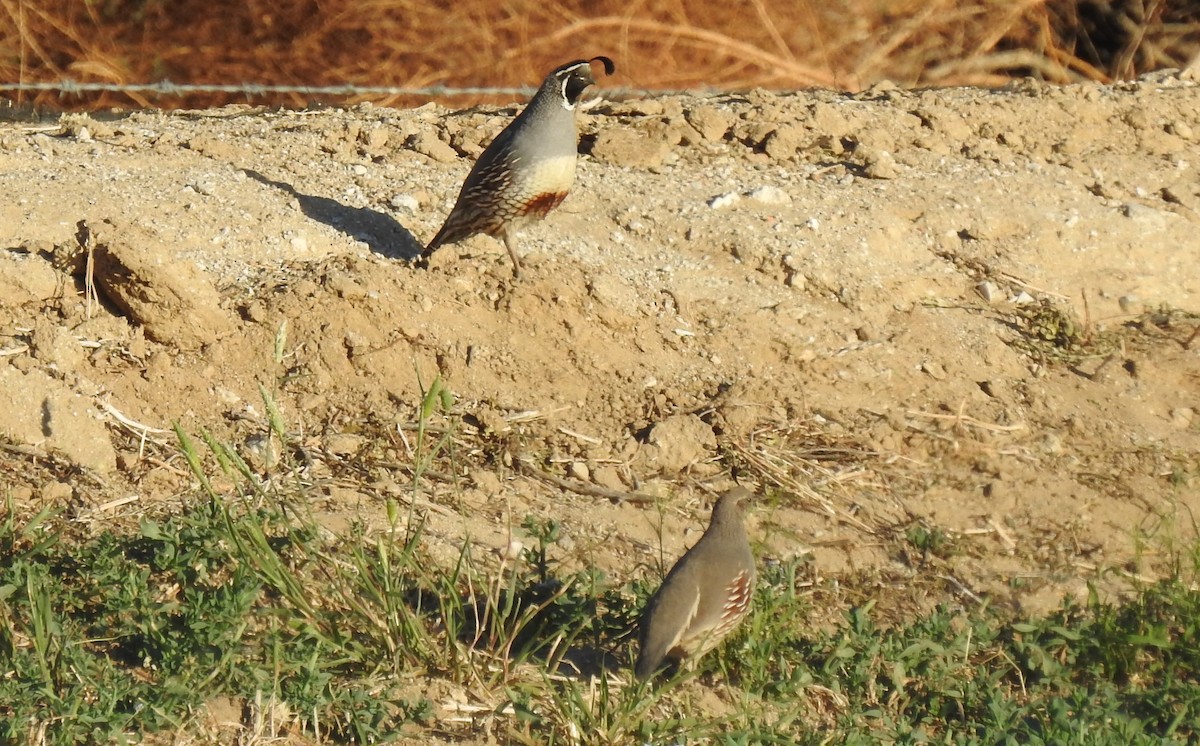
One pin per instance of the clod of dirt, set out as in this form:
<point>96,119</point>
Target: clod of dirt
<point>26,278</point>
<point>630,147</point>
<point>785,141</point>
<point>428,144</point>
<point>679,442</point>
<point>56,345</point>
<point>709,122</point>
<point>39,411</point>
<point>171,299</point>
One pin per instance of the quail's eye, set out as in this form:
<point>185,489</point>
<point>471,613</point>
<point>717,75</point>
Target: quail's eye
<point>573,88</point>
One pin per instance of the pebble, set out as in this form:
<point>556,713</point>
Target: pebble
<point>711,123</point>
<point>722,201</point>
<point>486,481</point>
<point>988,291</point>
<point>934,369</point>
<point>1182,129</point>
<point>405,201</point>
<point>1183,417</point>
<point>608,476</point>
<point>428,144</point>
<point>769,195</point>
<point>879,165</point>
<point>344,444</point>
<point>513,550</point>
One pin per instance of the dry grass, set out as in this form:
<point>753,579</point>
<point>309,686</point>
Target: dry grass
<point>657,43</point>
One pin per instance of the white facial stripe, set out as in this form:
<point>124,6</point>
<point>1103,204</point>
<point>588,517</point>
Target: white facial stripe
<point>563,98</point>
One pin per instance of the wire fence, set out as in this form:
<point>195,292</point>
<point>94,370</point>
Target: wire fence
<point>256,90</point>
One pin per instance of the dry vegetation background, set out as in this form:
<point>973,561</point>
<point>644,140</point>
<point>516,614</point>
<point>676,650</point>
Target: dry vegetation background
<point>658,43</point>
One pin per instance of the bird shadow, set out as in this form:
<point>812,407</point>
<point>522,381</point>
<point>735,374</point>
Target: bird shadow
<point>383,234</point>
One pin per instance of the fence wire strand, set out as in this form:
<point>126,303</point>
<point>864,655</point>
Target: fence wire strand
<point>167,88</point>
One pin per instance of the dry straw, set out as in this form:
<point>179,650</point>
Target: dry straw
<point>659,44</point>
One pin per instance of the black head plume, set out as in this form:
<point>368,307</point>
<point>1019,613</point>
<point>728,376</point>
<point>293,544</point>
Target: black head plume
<point>609,67</point>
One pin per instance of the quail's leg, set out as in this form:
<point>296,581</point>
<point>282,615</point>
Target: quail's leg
<point>510,243</point>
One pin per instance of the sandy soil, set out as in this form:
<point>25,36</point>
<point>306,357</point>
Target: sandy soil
<point>968,311</point>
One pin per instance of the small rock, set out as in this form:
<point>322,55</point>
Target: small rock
<point>879,165</point>
<point>680,441</point>
<point>26,278</point>
<point>608,476</point>
<point>1052,443</point>
<point>428,144</point>
<point>486,481</point>
<point>262,451</point>
<point>709,121</point>
<point>375,138</point>
<point>1183,417</point>
<point>42,411</point>
<point>630,147</point>
<point>769,195</point>
<point>722,201</point>
<point>1023,298</point>
<point>405,202</point>
<point>1128,303</point>
<point>1148,217</point>
<point>580,471</point>
<point>344,444</point>
<point>643,107</point>
<point>988,291</point>
<point>934,369</point>
<point>355,342</point>
<point>345,286</point>
<point>20,493</point>
<point>204,187</point>
<point>55,345</point>
<point>173,300</point>
<point>255,311</point>
<point>784,141</point>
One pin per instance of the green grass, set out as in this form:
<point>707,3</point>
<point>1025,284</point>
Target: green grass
<point>111,635</point>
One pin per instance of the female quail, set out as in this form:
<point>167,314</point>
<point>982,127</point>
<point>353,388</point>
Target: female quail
<point>706,594</point>
<point>527,170</point>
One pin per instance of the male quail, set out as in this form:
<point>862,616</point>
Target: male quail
<point>706,594</point>
<point>527,170</point>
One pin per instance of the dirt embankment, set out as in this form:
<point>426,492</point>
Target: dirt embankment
<point>968,311</point>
